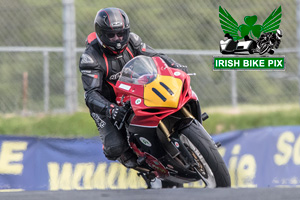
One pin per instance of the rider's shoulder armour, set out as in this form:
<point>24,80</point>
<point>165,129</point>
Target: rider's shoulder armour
<point>135,40</point>
<point>89,58</point>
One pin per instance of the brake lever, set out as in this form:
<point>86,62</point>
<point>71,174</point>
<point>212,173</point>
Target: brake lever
<point>122,100</point>
<point>119,126</point>
<point>127,106</point>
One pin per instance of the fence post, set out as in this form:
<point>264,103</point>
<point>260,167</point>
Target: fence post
<point>298,46</point>
<point>46,81</point>
<point>70,68</point>
<point>234,94</point>
<point>25,92</point>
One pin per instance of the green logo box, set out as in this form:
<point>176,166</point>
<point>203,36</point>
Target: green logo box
<point>269,63</point>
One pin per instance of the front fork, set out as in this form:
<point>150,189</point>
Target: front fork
<point>183,156</point>
<point>187,115</point>
<point>174,145</point>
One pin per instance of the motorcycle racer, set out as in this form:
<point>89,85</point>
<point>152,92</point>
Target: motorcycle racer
<point>271,40</point>
<point>108,49</point>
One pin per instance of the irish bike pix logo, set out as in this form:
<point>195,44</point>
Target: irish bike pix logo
<point>250,46</point>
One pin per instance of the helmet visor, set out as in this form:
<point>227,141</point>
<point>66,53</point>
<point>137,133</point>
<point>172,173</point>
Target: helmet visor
<point>118,34</point>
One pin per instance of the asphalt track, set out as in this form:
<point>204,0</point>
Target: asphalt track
<point>156,194</point>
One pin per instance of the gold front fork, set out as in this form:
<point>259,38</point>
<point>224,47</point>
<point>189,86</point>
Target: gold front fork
<point>165,130</point>
<point>187,113</point>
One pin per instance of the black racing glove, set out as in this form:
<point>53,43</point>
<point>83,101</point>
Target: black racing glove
<point>116,113</point>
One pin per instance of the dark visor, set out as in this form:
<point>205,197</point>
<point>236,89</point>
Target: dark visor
<point>111,35</point>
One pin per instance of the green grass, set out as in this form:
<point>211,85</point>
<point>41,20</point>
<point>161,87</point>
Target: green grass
<point>223,119</point>
<point>81,124</point>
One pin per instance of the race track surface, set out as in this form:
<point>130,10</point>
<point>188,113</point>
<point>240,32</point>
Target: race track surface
<point>156,194</point>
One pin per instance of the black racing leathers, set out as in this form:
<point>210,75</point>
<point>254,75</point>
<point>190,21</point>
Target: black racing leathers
<point>100,70</point>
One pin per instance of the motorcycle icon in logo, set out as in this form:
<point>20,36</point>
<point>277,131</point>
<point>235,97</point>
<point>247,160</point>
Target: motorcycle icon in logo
<point>257,38</point>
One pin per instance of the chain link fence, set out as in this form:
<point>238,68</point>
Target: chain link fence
<point>32,55</point>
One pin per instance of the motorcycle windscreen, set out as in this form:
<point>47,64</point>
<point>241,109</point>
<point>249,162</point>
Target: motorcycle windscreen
<point>163,92</point>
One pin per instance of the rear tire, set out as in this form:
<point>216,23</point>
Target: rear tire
<point>195,136</point>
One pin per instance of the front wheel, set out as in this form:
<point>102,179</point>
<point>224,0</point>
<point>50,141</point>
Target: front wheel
<point>264,48</point>
<point>210,165</point>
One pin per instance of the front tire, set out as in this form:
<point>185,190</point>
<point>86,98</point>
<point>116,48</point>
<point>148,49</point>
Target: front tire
<point>264,48</point>
<point>211,168</point>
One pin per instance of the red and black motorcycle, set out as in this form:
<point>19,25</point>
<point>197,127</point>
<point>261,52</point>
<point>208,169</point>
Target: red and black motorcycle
<point>164,125</point>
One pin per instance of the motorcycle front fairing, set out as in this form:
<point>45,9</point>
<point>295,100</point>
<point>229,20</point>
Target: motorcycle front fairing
<point>154,89</point>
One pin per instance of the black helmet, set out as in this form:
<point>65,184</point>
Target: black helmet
<point>111,21</point>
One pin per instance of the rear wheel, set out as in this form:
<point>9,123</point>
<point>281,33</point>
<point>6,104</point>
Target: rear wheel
<point>209,163</point>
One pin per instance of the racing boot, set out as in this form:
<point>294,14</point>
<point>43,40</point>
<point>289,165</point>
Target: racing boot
<point>128,159</point>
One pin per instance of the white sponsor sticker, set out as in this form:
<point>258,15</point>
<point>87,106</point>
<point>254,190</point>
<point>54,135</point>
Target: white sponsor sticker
<point>125,87</point>
<point>177,73</point>
<point>138,101</point>
<point>145,141</point>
